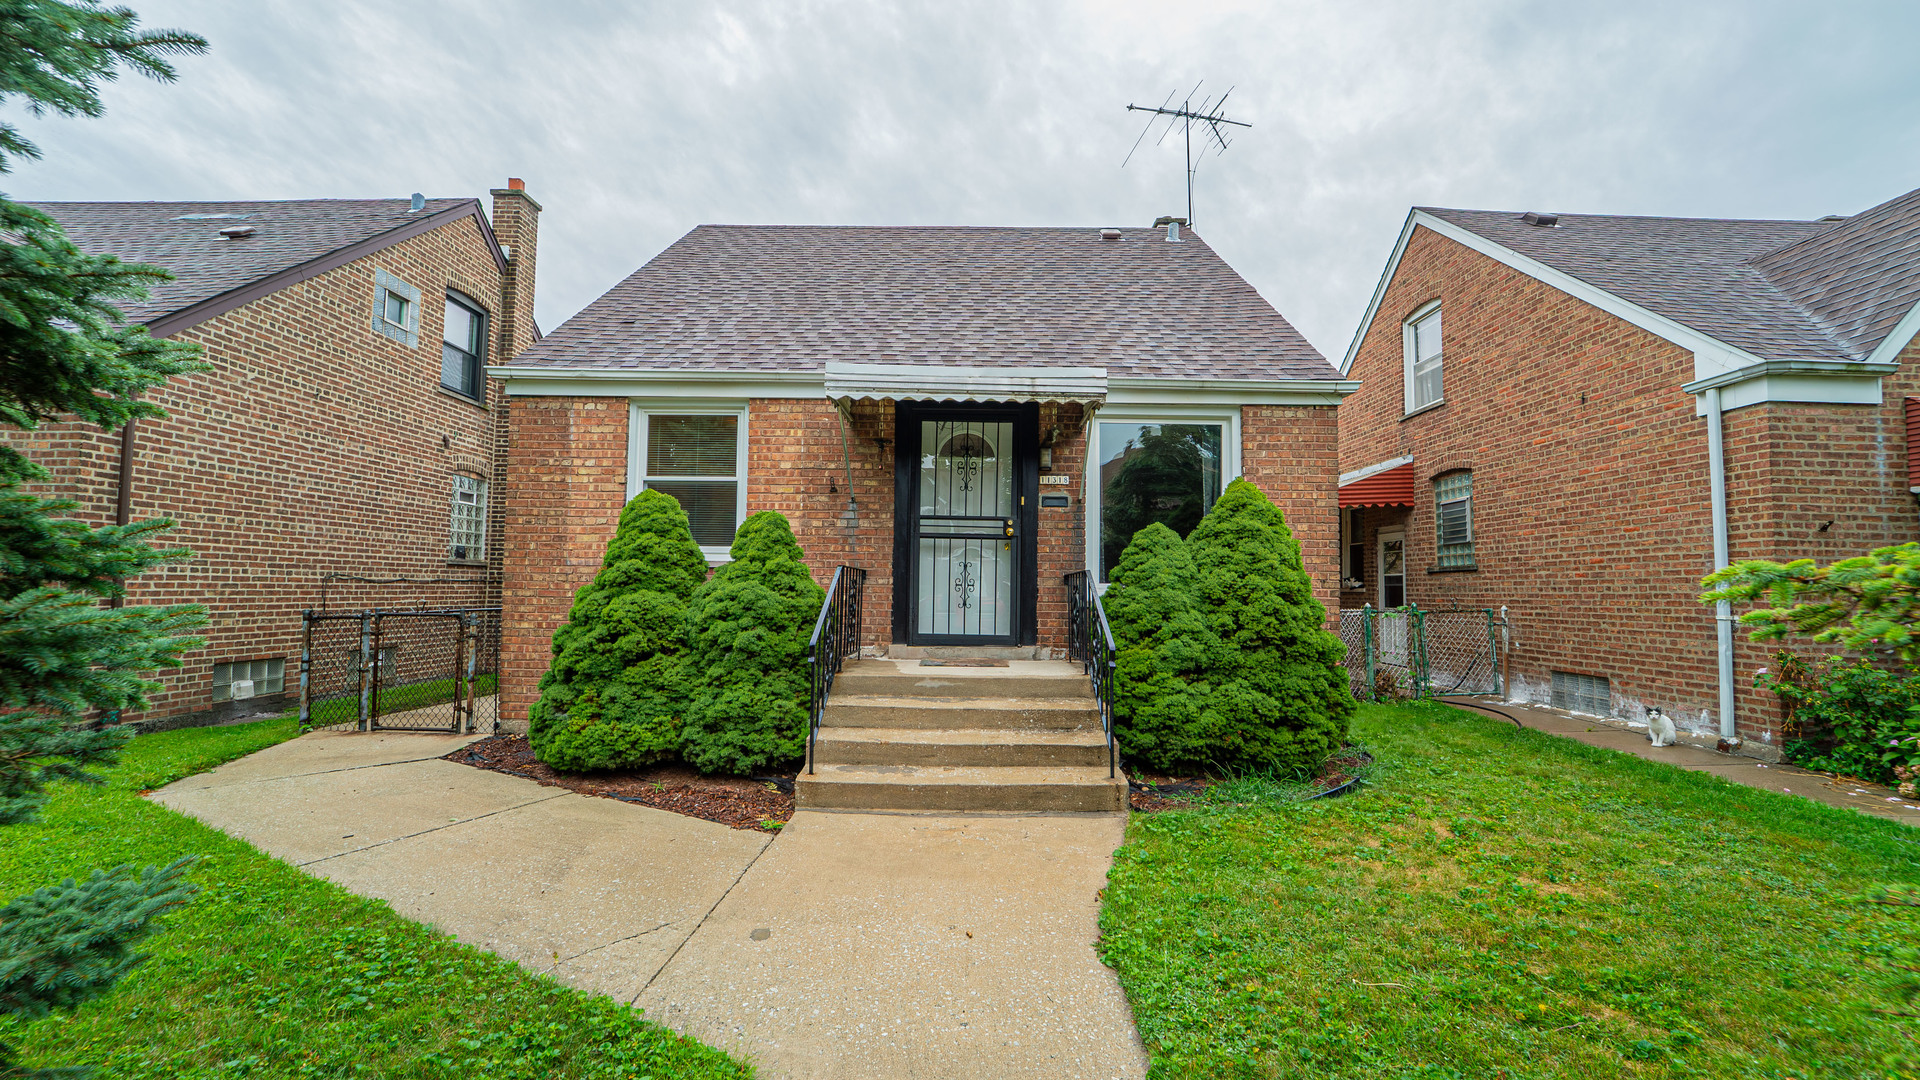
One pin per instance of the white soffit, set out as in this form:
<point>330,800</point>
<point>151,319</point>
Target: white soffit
<point>1822,382</point>
<point>954,382</point>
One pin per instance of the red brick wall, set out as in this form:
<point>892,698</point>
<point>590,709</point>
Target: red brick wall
<point>314,446</point>
<point>1591,515</point>
<point>1289,453</point>
<point>566,482</point>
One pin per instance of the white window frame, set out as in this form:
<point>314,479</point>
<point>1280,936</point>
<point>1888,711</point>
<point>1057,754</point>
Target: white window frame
<point>479,487</point>
<point>1410,355</point>
<point>640,414</point>
<point>385,284</point>
<point>1439,552</point>
<point>1228,417</point>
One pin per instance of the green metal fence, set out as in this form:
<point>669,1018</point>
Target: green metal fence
<point>1411,652</point>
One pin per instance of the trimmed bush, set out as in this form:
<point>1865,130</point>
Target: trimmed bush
<point>1159,690</point>
<point>617,692</point>
<point>748,630</point>
<point>1277,696</point>
<point>1850,716</point>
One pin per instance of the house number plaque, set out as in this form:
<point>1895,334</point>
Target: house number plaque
<point>1055,480</point>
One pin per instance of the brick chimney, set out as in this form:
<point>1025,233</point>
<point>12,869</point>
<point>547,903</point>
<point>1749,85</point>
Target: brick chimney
<point>516,224</point>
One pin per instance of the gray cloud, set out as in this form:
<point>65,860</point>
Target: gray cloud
<point>632,123</point>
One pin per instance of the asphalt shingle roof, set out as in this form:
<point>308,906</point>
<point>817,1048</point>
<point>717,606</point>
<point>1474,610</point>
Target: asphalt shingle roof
<point>184,237</point>
<point>1781,290</point>
<point>792,297</point>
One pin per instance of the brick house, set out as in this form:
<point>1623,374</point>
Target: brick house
<point>837,374</point>
<point>347,427</point>
<point>1580,416</point>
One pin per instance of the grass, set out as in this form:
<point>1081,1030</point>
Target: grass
<point>272,973</point>
<point>1505,904</point>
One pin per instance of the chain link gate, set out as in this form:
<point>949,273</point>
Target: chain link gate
<point>400,670</point>
<point>1416,653</point>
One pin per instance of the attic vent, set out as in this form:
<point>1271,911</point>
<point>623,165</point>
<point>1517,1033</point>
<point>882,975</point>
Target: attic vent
<point>212,217</point>
<point>237,232</point>
<point>1109,234</point>
<point>1544,221</point>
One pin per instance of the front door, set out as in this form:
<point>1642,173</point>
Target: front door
<point>968,536</point>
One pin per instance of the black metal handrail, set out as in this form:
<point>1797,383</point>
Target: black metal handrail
<point>836,636</point>
<point>1090,641</point>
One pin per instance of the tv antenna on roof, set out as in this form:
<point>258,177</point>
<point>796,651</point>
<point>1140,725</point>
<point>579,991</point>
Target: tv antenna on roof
<point>1209,117</point>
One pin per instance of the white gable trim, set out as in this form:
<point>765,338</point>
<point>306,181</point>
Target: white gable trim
<point>1897,339</point>
<point>1711,355</point>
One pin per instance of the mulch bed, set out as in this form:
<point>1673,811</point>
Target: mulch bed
<point>1150,792</point>
<point>743,803</point>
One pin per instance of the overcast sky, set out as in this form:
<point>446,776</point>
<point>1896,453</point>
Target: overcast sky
<point>633,122</point>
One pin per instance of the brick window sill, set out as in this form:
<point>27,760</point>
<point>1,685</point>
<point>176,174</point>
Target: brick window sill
<point>1423,409</point>
<point>468,564</point>
<point>458,396</point>
<point>1453,570</point>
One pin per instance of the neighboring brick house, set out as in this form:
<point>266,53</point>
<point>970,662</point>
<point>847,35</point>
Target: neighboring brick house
<point>1541,406</point>
<point>347,426</point>
<point>834,374</point>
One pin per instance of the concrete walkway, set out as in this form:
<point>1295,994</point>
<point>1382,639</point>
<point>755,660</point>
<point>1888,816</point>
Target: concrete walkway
<point>852,946</point>
<point>1773,776</point>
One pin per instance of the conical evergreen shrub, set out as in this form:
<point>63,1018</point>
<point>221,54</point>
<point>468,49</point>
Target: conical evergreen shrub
<point>1277,697</point>
<point>616,694</point>
<point>1160,691</point>
<point>748,630</point>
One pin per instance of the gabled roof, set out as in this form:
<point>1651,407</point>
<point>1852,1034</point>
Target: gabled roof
<point>745,298</point>
<point>292,241</point>
<point>1828,291</point>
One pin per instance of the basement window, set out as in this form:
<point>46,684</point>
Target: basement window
<point>1588,694</point>
<point>253,678</point>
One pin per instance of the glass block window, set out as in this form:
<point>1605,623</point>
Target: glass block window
<point>1582,693</point>
<point>1453,501</point>
<point>1423,360</point>
<point>267,676</point>
<point>468,540</point>
<point>696,458</point>
<point>396,309</point>
<point>463,347</point>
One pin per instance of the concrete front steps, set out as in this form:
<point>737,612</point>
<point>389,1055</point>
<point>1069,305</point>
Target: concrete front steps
<point>901,736</point>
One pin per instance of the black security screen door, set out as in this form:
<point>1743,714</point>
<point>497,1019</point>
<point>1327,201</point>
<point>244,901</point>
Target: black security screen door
<point>964,535</point>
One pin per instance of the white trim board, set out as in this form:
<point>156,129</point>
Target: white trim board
<point>1824,382</point>
<point>1711,355</point>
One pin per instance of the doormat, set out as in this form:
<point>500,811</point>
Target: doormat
<point>968,662</point>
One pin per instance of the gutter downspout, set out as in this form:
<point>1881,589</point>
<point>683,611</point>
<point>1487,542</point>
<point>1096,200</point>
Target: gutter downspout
<point>123,510</point>
<point>1722,611</point>
<point>850,517</point>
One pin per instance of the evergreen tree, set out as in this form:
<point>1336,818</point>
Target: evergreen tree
<point>1163,643</point>
<point>66,352</point>
<point>1278,698</point>
<point>617,691</point>
<point>748,628</point>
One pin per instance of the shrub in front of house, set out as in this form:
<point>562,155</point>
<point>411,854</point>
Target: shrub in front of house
<point>748,628</point>
<point>617,691</point>
<point>1850,717</point>
<point>1277,696</point>
<point>1159,692</point>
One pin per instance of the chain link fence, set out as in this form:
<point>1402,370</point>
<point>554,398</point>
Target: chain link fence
<point>1408,652</point>
<point>401,670</point>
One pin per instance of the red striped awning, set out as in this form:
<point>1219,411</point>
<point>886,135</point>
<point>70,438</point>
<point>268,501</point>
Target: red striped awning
<point>1394,487</point>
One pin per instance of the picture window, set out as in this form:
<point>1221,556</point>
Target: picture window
<point>1154,472</point>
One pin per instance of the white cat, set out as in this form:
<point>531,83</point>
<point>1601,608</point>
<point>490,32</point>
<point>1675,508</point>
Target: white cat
<point>1659,728</point>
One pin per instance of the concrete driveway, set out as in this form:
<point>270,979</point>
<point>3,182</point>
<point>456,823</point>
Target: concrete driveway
<point>852,946</point>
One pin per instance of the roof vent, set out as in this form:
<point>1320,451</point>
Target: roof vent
<point>1109,234</point>
<point>1544,221</point>
<point>237,232</point>
<point>1836,217</point>
<point>419,203</point>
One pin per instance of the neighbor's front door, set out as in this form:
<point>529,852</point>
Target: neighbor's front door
<point>969,536</point>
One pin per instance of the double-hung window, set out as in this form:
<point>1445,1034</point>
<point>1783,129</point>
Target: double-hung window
<point>467,538</point>
<point>1423,358</point>
<point>1453,501</point>
<point>699,458</point>
<point>463,347</point>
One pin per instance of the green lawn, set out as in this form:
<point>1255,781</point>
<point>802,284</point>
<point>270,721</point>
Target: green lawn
<point>272,973</point>
<point>1504,904</point>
